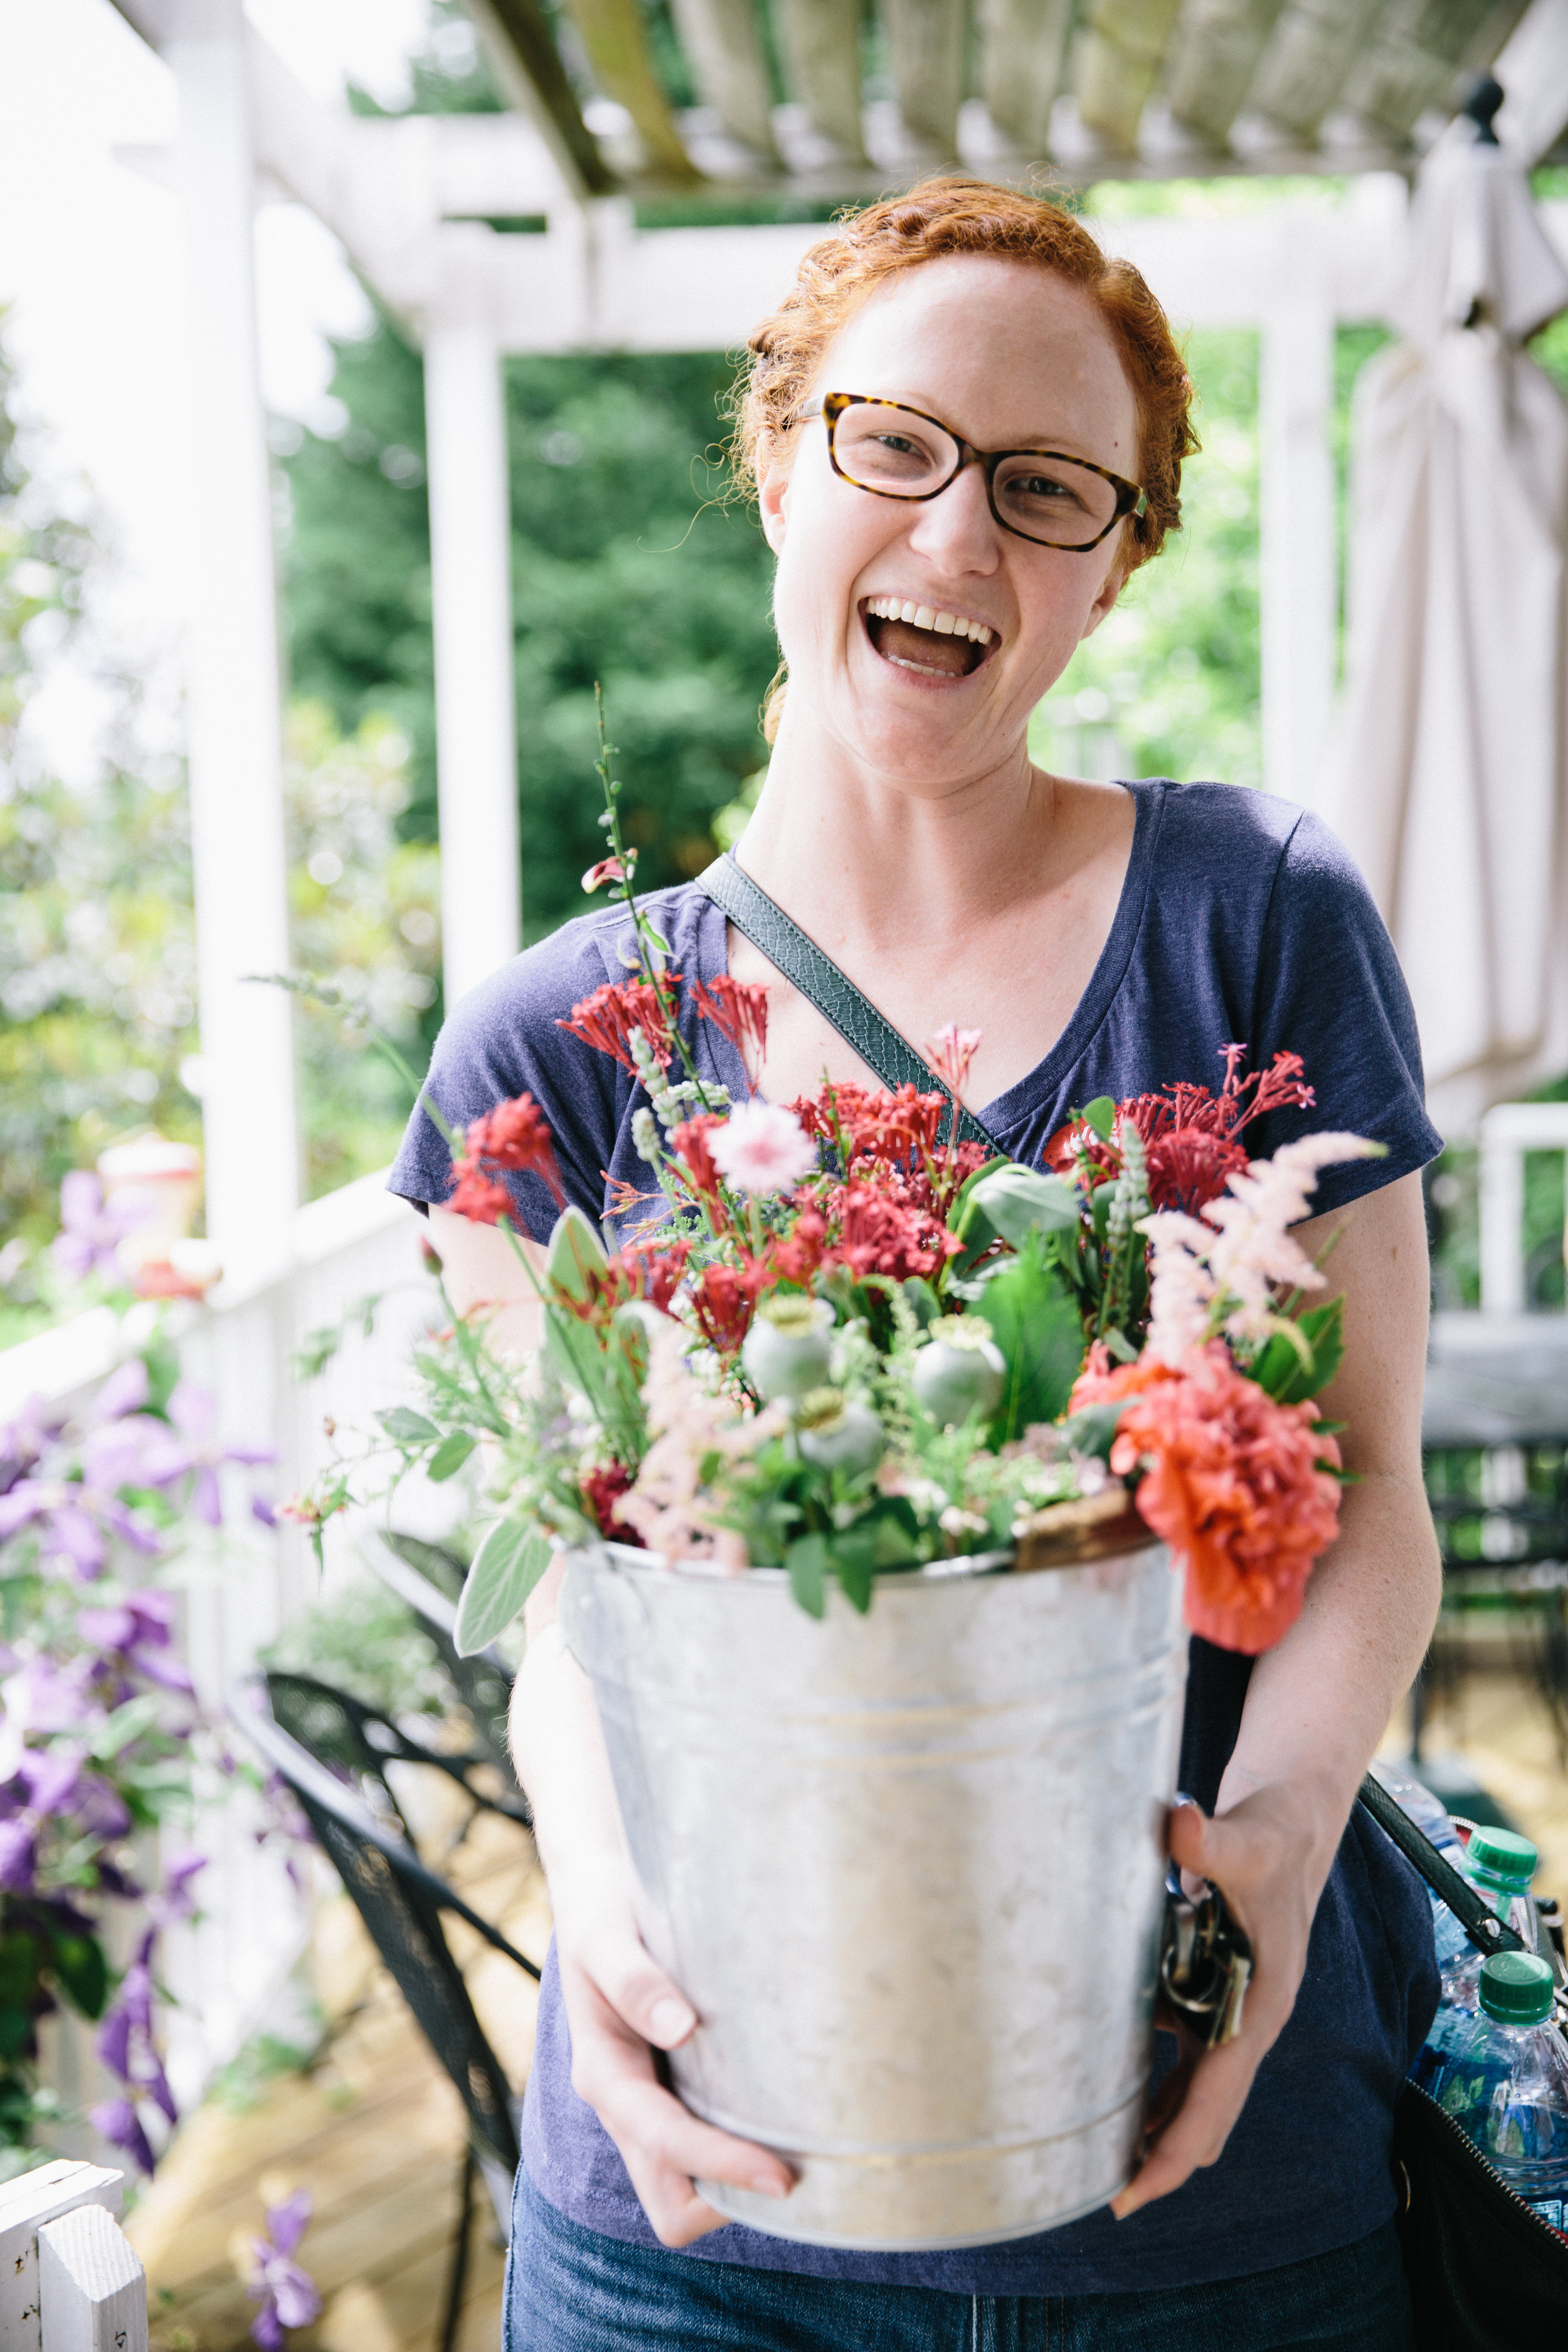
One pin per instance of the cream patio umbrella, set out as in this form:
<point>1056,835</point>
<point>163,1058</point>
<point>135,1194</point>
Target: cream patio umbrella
<point>1451,783</point>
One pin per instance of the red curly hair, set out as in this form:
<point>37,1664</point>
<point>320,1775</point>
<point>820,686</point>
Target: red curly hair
<point>951,214</point>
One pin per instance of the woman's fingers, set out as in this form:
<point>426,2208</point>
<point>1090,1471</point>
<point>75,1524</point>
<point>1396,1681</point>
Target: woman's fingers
<point>617,2001</point>
<point>1215,2098</point>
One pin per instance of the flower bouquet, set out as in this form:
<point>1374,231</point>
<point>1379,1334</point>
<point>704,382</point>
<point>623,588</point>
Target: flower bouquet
<point>833,1379</point>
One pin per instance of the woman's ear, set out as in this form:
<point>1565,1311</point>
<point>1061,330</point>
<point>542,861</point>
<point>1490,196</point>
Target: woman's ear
<point>772,490</point>
<point>1115,581</point>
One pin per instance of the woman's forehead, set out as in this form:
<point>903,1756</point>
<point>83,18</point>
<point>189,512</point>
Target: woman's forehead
<point>1018,348</point>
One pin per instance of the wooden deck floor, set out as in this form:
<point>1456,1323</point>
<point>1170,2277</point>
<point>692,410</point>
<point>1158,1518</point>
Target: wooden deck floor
<point>375,2131</point>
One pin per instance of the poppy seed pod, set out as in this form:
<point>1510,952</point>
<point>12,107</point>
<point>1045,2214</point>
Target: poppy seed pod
<point>788,1347</point>
<point>960,1370</point>
<point>849,1438</point>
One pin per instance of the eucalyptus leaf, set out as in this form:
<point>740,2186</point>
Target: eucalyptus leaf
<point>507,1566</point>
<point>1101,1115</point>
<point>1012,1202</point>
<point>575,1254</point>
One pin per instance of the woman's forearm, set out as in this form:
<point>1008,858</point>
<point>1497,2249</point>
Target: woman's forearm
<point>559,1750</point>
<point>1318,1705</point>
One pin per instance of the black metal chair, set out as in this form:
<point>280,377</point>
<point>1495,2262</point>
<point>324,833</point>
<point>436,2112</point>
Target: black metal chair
<point>430,1580</point>
<point>356,1821</point>
<point>358,1742</point>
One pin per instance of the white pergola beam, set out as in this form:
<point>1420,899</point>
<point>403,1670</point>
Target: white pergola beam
<point>470,597</point>
<point>234,725</point>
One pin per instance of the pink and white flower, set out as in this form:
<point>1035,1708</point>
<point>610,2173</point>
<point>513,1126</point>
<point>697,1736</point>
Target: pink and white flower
<point>762,1148</point>
<point>950,1051</point>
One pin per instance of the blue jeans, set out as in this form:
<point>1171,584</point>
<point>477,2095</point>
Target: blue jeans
<point>570,2290</point>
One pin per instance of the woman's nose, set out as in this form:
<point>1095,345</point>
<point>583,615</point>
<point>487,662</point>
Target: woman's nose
<point>957,528</point>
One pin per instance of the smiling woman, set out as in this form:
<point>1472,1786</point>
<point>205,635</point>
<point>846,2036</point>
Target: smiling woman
<point>966,427</point>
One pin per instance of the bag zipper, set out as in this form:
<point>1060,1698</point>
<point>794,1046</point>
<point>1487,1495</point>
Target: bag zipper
<point>1494,2179</point>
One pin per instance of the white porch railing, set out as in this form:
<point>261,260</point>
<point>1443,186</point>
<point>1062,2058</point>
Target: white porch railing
<point>1507,1134</point>
<point>69,2279</point>
<point>357,1243</point>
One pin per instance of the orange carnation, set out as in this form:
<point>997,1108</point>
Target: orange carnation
<point>1238,1488</point>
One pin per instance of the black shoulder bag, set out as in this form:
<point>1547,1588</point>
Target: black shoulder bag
<point>1485,2272</point>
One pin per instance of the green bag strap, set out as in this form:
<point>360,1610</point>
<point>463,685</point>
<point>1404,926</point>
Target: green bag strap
<point>822,984</point>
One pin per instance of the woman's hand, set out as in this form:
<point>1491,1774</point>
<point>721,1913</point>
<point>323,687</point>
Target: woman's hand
<point>1318,1704</point>
<point>1267,1858</point>
<point>621,2008</point>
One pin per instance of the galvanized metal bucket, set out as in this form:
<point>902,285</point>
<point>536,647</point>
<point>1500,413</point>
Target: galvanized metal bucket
<point>908,1867</point>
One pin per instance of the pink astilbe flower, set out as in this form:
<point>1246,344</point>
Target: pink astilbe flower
<point>688,1427</point>
<point>1225,1263</point>
<point>762,1147</point>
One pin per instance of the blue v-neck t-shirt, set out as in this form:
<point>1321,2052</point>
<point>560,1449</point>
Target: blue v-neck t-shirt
<point>1240,919</point>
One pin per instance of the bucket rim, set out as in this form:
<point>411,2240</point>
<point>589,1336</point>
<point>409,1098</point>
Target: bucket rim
<point>967,1568</point>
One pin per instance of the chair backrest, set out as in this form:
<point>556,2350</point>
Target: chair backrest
<point>400,1902</point>
<point>430,1579</point>
<point>357,1742</point>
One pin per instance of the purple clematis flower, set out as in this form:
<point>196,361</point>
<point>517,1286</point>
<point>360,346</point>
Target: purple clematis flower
<point>194,1413</point>
<point>92,1229</point>
<point>76,1520</point>
<point>288,2295</point>
<point>138,1629</point>
<point>18,1856</point>
<point>174,1899</point>
<point>119,2122</point>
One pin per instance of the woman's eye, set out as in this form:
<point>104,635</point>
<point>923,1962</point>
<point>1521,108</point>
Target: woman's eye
<point>899,444</point>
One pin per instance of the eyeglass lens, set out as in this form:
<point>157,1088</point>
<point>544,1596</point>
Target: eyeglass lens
<point>902,455</point>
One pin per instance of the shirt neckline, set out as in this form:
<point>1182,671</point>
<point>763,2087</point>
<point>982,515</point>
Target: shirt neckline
<point>1023,1097</point>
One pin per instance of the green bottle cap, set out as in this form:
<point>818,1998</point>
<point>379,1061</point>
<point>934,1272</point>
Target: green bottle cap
<point>1502,1858</point>
<point>1516,1989</point>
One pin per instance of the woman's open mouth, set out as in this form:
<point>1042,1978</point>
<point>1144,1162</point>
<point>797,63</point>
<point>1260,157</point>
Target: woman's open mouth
<point>922,638</point>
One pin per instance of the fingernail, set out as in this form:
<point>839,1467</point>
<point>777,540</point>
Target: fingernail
<point>672,2021</point>
<point>766,2185</point>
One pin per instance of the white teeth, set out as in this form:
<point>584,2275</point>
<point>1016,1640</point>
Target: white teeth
<point>925,616</point>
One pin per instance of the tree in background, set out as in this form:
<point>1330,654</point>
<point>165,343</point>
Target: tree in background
<point>627,569</point>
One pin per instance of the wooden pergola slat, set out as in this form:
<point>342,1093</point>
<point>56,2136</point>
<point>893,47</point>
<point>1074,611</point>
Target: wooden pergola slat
<point>611,35</point>
<point>518,40</point>
<point>724,46</point>
<point>1420,49</point>
<point>1303,71</point>
<point>821,43</point>
<point>1024,65</point>
<point>1214,55</point>
<point>1119,64</point>
<point>926,37</point>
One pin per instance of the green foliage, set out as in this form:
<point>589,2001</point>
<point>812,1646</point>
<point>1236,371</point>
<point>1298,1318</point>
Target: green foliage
<point>507,1566</point>
<point>1292,1371</point>
<point>367,1642</point>
<point>1169,683</point>
<point>627,569</point>
<point>1036,1323</point>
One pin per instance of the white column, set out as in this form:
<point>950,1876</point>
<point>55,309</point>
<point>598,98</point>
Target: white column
<point>470,584</point>
<point>231,672</point>
<point>1297,565</point>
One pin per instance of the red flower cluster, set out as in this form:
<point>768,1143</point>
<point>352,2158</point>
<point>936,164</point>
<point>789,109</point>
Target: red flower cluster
<point>868,1123</point>
<point>722,1299</point>
<point>1237,1486</point>
<point>739,1009</point>
<point>513,1137</point>
<point>606,1019</point>
<point>881,1235</point>
<point>1189,1132</point>
<point>601,1490</point>
<point>689,1142</point>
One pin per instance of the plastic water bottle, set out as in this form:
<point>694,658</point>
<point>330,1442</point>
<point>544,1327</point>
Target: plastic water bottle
<point>1506,2082</point>
<point>1500,1865</point>
<point>1426,1812</point>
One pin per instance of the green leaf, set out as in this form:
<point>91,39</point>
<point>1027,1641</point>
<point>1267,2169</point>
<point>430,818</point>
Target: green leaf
<point>1013,1202</point>
<point>1100,1114</point>
<point>406,1427</point>
<point>1036,1323</point>
<point>854,1554</point>
<point>806,1560</point>
<point>127,1723</point>
<point>446,1569</point>
<point>507,1566</point>
<point>78,1968</point>
<point>1279,1368</point>
<point>450,1454</point>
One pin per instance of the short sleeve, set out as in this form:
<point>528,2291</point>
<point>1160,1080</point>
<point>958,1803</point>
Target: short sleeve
<point>504,1039</point>
<point>1329,987</point>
